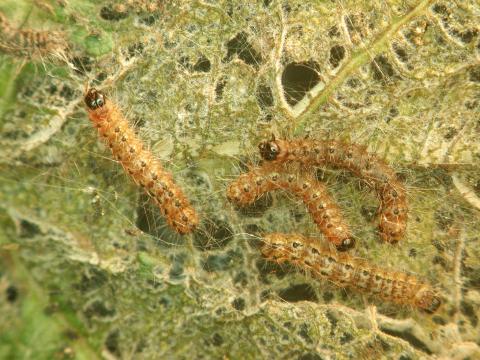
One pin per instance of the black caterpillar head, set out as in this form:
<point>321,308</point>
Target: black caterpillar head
<point>346,244</point>
<point>269,149</point>
<point>428,300</point>
<point>434,305</point>
<point>94,99</point>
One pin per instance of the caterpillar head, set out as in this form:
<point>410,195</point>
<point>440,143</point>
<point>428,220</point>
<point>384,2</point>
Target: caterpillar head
<point>270,149</point>
<point>346,244</point>
<point>94,99</point>
<point>428,300</point>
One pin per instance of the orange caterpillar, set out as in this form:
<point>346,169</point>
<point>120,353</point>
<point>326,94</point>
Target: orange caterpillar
<point>345,271</point>
<point>137,161</point>
<point>377,174</point>
<point>30,42</point>
<point>326,214</point>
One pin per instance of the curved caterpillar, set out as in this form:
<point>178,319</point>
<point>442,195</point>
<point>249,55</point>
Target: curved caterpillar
<point>30,42</point>
<point>345,271</point>
<point>377,174</point>
<point>139,163</point>
<point>325,213</point>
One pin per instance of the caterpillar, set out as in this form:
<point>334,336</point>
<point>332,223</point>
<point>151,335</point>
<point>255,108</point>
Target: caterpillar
<point>30,42</point>
<point>139,162</point>
<point>250,186</point>
<point>346,271</point>
<point>375,172</point>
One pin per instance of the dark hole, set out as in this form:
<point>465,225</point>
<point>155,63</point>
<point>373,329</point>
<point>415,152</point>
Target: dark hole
<point>400,52</point>
<point>92,279</point>
<point>141,346</point>
<point>298,79</point>
<point>219,89</point>
<point>111,343</point>
<point>267,118</point>
<point>440,9</point>
<point>469,311</point>
<point>382,69</point>
<point>70,334</point>
<point>12,293</point>
<point>475,74</point>
<point>185,62</point>
<point>220,262</point>
<point>304,333</point>
<point>332,318</point>
<point>67,93</point>
<point>98,309</point>
<point>215,234</point>
<point>202,65</point>
<point>239,304</point>
<point>337,53</point>
<point>470,105</point>
<point>253,229</point>
<point>346,338</point>
<point>286,7</point>
<point>217,339</point>
<point>439,320</point>
<point>257,208</point>
<point>52,89</point>
<point>241,279</point>
<point>385,346</point>
<point>110,14</point>
<point>354,83</point>
<point>151,221</point>
<point>393,112</point>
<point>266,3</point>
<point>438,245</point>
<point>240,46</point>
<point>451,132</point>
<point>407,336</point>
<point>467,36</point>
<point>438,260</point>
<point>476,187</point>
<point>333,32</point>
<point>176,272</point>
<point>101,77</point>
<point>310,356</point>
<point>135,50</point>
<point>264,96</point>
<point>148,20</point>
<point>356,24</point>
<point>83,64</point>
<point>444,218</point>
<point>28,229</point>
<point>368,212</point>
<point>327,296</point>
<point>300,292</point>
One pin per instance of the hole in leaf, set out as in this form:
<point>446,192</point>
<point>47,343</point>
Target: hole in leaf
<point>337,53</point>
<point>298,79</point>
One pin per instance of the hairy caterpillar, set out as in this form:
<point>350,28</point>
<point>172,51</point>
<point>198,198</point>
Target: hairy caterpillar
<point>325,213</point>
<point>377,174</point>
<point>139,163</point>
<point>30,42</point>
<point>345,271</point>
